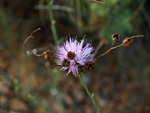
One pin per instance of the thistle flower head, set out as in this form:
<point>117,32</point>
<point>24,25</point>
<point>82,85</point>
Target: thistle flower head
<point>71,53</point>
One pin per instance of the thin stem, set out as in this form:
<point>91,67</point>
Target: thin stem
<point>136,11</point>
<point>112,44</point>
<point>79,18</point>
<point>117,46</point>
<point>109,50</point>
<point>27,52</point>
<point>98,47</point>
<point>88,92</point>
<point>137,36</point>
<point>53,27</point>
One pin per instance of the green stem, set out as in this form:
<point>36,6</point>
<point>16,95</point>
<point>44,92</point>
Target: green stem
<point>91,95</point>
<point>53,27</point>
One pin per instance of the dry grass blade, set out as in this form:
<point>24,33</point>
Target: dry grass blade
<point>98,47</point>
<point>137,36</point>
<point>136,12</point>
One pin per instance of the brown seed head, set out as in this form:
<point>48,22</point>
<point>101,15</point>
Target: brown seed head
<point>89,66</point>
<point>116,37</point>
<point>127,42</point>
<point>66,63</point>
<point>70,55</point>
<point>48,55</point>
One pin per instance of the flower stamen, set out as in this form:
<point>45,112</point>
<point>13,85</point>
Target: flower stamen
<point>66,63</point>
<point>70,55</point>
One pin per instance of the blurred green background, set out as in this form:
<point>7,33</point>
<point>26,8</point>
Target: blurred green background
<point>120,80</point>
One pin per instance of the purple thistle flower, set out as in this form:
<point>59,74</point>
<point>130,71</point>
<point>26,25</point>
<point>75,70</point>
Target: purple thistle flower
<point>79,55</point>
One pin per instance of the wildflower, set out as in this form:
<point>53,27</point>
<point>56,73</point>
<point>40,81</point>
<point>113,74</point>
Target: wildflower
<point>71,55</point>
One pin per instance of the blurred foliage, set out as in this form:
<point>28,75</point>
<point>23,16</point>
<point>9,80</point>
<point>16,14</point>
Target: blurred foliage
<point>113,17</point>
<point>32,97</point>
<point>102,19</point>
<point>110,17</point>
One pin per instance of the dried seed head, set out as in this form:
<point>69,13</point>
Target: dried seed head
<point>48,55</point>
<point>89,66</point>
<point>70,55</point>
<point>116,37</point>
<point>127,42</point>
<point>66,63</point>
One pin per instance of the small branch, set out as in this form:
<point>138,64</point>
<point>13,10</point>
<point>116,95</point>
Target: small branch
<point>109,50</point>
<point>31,35</point>
<point>118,46</point>
<point>137,36</point>
<point>54,7</point>
<point>136,12</point>
<point>98,47</point>
<point>53,27</point>
<point>112,44</point>
<point>33,51</point>
<point>88,92</point>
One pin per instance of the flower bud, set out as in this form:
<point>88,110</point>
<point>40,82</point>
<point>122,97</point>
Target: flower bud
<point>48,55</point>
<point>116,37</point>
<point>89,66</point>
<point>127,42</point>
<point>66,63</point>
<point>70,55</point>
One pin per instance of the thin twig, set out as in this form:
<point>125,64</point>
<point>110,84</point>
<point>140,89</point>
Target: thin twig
<point>118,46</point>
<point>136,12</point>
<point>28,52</point>
<point>137,36</point>
<point>98,47</point>
<point>54,7</point>
<point>112,44</point>
<point>71,17</point>
<point>31,35</point>
<point>34,51</point>
<point>109,50</point>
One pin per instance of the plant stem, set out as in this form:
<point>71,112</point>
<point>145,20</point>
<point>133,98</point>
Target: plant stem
<point>53,27</point>
<point>79,17</point>
<point>109,50</point>
<point>91,95</point>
